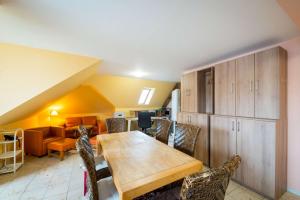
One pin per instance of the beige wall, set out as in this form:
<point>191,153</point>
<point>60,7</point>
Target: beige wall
<point>293,48</point>
<point>27,72</point>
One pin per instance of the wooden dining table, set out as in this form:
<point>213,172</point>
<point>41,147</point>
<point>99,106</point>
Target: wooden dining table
<point>140,164</point>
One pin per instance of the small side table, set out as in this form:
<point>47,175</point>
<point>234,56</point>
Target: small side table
<point>62,146</point>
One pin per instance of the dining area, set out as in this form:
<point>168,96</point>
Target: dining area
<point>134,165</point>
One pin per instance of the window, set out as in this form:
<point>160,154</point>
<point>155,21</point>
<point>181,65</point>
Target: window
<point>146,96</point>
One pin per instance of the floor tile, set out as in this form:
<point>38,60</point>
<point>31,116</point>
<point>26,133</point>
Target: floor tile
<point>52,179</point>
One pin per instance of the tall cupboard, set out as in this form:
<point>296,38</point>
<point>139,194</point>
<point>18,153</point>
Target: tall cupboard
<point>248,117</point>
<point>253,125</point>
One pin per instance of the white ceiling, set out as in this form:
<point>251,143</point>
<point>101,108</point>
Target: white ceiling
<point>158,37</point>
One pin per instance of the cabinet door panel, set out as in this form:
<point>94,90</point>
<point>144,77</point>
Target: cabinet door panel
<point>192,92</point>
<point>256,145</point>
<point>267,83</point>
<point>245,86</point>
<point>184,94</point>
<point>222,140</point>
<point>225,88</point>
<point>202,144</point>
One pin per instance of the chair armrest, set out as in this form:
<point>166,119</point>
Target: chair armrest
<point>58,131</point>
<point>33,134</point>
<point>33,139</point>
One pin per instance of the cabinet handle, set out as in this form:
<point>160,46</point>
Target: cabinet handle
<point>232,126</point>
<point>238,126</point>
<point>251,85</point>
<point>257,85</point>
<point>232,85</point>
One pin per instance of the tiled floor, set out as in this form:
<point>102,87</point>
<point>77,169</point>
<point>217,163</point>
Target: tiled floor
<point>49,178</point>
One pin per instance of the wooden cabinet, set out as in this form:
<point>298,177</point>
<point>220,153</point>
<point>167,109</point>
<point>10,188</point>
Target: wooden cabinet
<point>256,144</point>
<point>245,86</point>
<point>202,144</point>
<point>225,88</point>
<point>222,140</point>
<point>189,92</point>
<point>270,67</point>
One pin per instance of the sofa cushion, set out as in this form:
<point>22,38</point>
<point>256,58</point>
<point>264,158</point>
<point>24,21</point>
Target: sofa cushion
<point>90,120</point>
<point>73,121</point>
<point>51,139</point>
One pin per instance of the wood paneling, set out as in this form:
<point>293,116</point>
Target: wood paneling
<point>222,140</point>
<point>267,83</point>
<point>141,164</point>
<point>225,88</point>
<point>245,86</point>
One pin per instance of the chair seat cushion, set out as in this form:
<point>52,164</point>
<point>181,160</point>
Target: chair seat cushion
<point>102,170</point>
<point>107,189</point>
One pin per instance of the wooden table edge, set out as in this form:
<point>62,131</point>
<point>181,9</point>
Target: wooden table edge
<point>161,179</point>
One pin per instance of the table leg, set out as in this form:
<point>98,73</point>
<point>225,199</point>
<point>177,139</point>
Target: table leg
<point>61,155</point>
<point>49,152</point>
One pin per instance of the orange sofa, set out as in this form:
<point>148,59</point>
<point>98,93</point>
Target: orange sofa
<point>37,139</point>
<point>72,124</point>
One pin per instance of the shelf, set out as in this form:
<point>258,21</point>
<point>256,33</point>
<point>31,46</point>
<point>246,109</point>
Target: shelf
<point>10,168</point>
<point>9,154</point>
<point>11,141</point>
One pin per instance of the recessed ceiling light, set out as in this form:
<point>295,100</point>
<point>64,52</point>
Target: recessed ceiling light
<point>138,74</point>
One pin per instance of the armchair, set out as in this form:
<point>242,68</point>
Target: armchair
<point>37,139</point>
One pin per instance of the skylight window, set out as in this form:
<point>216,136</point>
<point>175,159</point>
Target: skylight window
<point>146,96</point>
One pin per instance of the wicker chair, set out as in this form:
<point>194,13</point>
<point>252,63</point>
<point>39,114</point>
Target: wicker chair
<point>104,189</point>
<point>186,137</point>
<point>209,185</point>
<point>162,130</point>
<point>102,170</point>
<point>116,125</point>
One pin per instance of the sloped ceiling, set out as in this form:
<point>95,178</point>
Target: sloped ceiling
<point>124,92</point>
<point>83,99</point>
<point>29,78</point>
<point>159,38</point>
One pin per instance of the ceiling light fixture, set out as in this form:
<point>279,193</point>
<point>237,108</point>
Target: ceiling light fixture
<point>138,74</point>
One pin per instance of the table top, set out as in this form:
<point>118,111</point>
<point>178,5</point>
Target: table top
<point>141,164</point>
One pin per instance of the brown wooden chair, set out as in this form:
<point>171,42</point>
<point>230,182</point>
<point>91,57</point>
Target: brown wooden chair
<point>116,125</point>
<point>185,138</point>
<point>208,185</point>
<point>162,131</point>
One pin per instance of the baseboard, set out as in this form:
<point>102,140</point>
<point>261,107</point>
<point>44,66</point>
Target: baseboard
<point>295,192</point>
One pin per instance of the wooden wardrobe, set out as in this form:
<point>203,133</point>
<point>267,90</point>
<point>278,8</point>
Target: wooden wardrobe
<point>247,115</point>
<point>250,120</point>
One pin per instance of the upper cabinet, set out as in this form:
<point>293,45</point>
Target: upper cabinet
<point>270,71</point>
<point>245,86</point>
<point>189,92</point>
<point>251,86</point>
<point>225,88</point>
